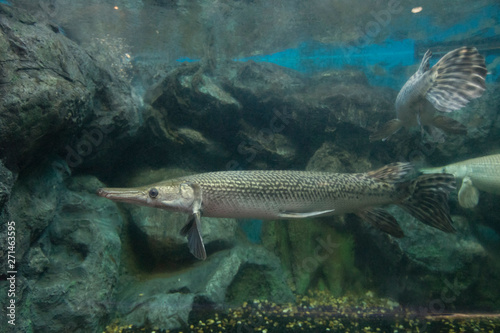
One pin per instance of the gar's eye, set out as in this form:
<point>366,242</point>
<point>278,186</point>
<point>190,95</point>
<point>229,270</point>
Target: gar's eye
<point>153,193</point>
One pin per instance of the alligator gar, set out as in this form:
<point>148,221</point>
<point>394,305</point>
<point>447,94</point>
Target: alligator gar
<point>457,78</point>
<point>271,195</point>
<point>481,173</point>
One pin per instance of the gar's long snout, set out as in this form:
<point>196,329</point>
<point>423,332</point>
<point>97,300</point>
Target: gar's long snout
<point>130,195</point>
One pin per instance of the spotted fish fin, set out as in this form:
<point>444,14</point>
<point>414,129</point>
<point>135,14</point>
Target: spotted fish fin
<point>388,129</point>
<point>457,78</point>
<point>295,215</point>
<point>392,173</point>
<point>192,230</point>
<point>468,195</point>
<point>382,220</point>
<point>428,200</point>
<point>424,65</point>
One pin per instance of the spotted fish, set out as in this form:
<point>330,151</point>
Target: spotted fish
<point>481,173</point>
<point>449,85</point>
<point>271,195</point>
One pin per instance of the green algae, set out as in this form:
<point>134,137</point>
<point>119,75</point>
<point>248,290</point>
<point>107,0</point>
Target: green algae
<point>322,312</point>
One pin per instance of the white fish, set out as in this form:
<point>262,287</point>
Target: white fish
<point>481,173</point>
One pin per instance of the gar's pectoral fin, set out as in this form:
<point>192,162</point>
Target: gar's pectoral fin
<point>382,220</point>
<point>192,229</point>
<point>468,195</point>
<point>298,215</point>
<point>389,128</point>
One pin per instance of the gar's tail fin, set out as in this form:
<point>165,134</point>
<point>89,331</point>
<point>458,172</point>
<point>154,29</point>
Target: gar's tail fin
<point>457,78</point>
<point>428,200</point>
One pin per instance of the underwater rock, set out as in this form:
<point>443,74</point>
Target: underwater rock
<point>68,251</point>
<point>316,255</point>
<point>351,101</point>
<point>438,251</point>
<point>162,311</point>
<point>275,114</point>
<point>259,83</point>
<point>260,275</point>
<point>159,233</point>
<point>7,179</point>
<point>196,139</point>
<point>282,101</point>
<point>481,116</point>
<point>226,277</point>
<point>56,98</point>
<point>424,262</point>
<point>190,117</point>
<point>192,97</point>
<point>33,204</point>
<point>333,157</point>
<point>273,149</point>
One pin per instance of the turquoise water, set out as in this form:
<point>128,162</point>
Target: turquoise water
<point>391,53</point>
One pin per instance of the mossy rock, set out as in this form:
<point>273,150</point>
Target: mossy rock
<point>315,255</point>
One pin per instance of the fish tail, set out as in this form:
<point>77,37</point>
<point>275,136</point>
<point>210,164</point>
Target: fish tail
<point>457,78</point>
<point>380,219</point>
<point>428,200</point>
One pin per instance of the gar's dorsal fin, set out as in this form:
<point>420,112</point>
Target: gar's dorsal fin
<point>392,173</point>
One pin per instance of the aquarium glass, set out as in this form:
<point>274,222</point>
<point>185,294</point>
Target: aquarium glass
<point>249,166</point>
